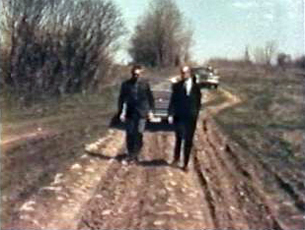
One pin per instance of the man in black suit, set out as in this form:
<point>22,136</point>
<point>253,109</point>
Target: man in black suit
<point>135,104</point>
<point>183,111</point>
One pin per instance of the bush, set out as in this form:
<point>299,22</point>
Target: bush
<point>57,47</point>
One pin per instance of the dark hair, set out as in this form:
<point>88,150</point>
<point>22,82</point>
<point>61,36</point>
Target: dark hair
<point>135,67</point>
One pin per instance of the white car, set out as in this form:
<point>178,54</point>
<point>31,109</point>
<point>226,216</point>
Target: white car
<point>205,77</point>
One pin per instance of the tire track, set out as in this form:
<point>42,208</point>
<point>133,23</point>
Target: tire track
<point>151,194</point>
<point>217,177</point>
<point>250,170</point>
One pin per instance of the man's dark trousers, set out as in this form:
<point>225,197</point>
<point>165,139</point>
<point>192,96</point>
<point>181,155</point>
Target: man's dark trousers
<point>185,130</point>
<point>135,127</point>
<point>137,96</point>
<point>185,110</point>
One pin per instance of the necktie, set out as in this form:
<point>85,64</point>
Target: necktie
<point>136,90</point>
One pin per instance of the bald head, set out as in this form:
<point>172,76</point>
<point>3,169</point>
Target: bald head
<point>185,72</point>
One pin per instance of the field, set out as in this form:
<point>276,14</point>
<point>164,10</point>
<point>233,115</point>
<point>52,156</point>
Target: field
<point>270,119</point>
<point>269,124</point>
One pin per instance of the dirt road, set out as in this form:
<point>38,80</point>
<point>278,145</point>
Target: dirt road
<point>224,188</point>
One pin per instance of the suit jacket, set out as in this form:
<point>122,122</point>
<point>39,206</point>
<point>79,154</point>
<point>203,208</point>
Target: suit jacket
<point>183,106</point>
<point>137,96</point>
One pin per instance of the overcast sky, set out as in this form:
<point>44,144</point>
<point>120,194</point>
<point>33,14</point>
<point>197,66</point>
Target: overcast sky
<point>223,28</point>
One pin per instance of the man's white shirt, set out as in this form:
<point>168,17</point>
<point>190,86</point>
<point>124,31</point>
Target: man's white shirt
<point>188,85</point>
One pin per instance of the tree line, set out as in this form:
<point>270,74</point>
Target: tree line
<point>269,53</point>
<point>267,56</point>
<point>58,47</point>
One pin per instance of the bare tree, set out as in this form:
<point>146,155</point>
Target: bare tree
<point>283,60</point>
<point>300,62</point>
<point>264,55</point>
<point>270,51</point>
<point>247,55</point>
<point>160,38</point>
<point>58,46</point>
<point>258,55</point>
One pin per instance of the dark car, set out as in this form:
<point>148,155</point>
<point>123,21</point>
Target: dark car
<point>162,94</point>
<point>206,77</point>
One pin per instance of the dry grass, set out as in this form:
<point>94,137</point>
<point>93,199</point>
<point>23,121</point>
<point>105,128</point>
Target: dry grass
<point>58,113</point>
<point>270,120</point>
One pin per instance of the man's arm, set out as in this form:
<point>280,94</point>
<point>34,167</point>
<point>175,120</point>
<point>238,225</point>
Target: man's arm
<point>198,97</point>
<point>150,96</point>
<point>122,98</point>
<point>172,101</point>
<point>172,104</point>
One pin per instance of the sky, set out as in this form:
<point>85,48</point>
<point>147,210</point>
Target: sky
<point>223,28</point>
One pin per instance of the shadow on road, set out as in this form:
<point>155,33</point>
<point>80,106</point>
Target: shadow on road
<point>115,123</point>
<point>124,156</point>
<point>154,163</point>
<point>119,157</point>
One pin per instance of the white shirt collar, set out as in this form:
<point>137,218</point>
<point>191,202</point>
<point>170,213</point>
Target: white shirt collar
<point>188,84</point>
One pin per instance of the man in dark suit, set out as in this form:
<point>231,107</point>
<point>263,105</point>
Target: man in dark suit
<point>135,104</point>
<point>183,111</point>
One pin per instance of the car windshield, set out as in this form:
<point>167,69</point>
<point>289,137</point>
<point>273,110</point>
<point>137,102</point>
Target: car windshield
<point>164,86</point>
<point>201,71</point>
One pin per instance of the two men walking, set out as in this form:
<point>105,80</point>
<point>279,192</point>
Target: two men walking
<point>136,104</point>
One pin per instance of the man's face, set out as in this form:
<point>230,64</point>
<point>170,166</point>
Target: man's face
<point>137,73</point>
<point>185,72</point>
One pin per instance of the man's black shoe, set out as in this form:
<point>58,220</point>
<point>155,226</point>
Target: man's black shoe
<point>132,160</point>
<point>185,168</point>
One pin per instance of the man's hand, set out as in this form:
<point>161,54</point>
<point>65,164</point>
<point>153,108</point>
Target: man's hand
<point>170,119</point>
<point>123,117</point>
<point>150,115</point>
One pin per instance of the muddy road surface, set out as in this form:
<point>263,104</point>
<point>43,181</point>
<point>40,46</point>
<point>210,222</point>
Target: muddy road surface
<point>225,187</point>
